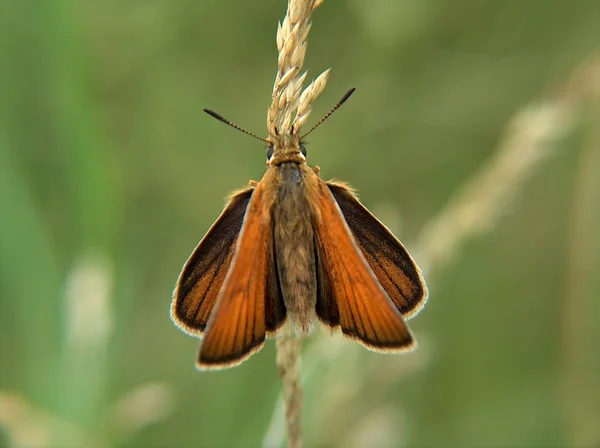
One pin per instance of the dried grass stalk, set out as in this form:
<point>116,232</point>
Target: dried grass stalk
<point>288,362</point>
<point>289,111</point>
<point>290,105</point>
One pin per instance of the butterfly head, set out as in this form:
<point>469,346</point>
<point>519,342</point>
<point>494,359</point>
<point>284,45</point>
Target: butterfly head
<point>285,148</point>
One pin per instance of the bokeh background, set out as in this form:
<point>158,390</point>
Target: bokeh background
<point>110,174</point>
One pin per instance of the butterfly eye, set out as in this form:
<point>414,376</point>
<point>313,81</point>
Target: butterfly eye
<point>270,151</point>
<point>303,149</point>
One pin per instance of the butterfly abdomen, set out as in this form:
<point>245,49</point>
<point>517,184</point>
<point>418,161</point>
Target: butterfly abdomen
<point>294,247</point>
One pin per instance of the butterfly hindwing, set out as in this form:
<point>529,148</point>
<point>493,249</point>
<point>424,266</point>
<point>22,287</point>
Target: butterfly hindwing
<point>387,257</point>
<point>349,294</point>
<point>204,272</point>
<point>250,303</point>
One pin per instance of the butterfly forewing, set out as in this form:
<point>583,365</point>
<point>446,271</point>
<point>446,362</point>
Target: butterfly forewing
<point>204,273</point>
<point>250,303</point>
<point>349,294</point>
<point>387,257</point>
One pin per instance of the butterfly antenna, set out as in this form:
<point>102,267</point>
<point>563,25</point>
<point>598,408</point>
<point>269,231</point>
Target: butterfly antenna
<point>212,113</point>
<point>333,109</point>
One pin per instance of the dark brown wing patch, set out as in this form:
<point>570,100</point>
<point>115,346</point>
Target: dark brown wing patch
<point>204,272</point>
<point>387,257</point>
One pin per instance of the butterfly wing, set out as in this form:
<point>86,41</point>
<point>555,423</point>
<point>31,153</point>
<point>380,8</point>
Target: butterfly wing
<point>349,294</point>
<point>387,257</point>
<point>204,272</point>
<point>250,304</point>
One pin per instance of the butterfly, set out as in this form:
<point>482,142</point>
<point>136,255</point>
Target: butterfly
<point>289,251</point>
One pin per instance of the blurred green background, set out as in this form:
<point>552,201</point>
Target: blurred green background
<point>110,174</point>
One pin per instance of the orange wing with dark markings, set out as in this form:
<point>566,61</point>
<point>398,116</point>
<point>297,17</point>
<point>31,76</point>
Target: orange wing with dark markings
<point>250,303</point>
<point>204,272</point>
<point>349,294</point>
<point>388,259</point>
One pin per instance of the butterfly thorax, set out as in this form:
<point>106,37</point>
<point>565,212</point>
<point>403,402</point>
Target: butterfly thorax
<point>294,245</point>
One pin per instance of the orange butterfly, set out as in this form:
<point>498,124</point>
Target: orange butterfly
<point>293,248</point>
